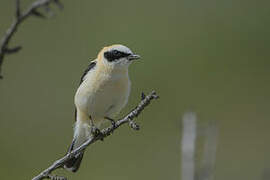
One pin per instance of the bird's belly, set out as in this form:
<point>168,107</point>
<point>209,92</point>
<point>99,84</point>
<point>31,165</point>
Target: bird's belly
<point>109,99</point>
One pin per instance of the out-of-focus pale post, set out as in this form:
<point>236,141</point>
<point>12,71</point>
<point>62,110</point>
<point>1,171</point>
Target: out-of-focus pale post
<point>188,146</point>
<point>209,155</point>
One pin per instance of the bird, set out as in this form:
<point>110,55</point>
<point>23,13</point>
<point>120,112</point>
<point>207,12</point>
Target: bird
<point>103,92</point>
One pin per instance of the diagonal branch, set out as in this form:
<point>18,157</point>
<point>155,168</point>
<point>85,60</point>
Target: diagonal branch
<point>20,17</point>
<point>104,133</point>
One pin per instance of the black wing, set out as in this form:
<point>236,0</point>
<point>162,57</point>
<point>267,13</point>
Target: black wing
<point>90,66</point>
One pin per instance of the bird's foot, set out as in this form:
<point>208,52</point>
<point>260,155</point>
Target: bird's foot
<point>96,132</point>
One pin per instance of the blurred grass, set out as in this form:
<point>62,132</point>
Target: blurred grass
<point>208,56</point>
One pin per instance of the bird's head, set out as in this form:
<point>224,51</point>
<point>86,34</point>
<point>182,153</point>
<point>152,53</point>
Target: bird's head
<point>117,56</point>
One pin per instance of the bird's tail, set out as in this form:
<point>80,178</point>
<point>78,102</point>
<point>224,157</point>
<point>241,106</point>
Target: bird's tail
<point>82,132</point>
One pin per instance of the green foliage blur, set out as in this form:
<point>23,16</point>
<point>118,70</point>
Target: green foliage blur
<point>209,56</point>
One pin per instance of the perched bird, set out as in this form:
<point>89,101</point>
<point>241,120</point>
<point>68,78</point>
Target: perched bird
<point>104,90</point>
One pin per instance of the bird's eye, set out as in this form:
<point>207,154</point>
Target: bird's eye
<point>117,53</point>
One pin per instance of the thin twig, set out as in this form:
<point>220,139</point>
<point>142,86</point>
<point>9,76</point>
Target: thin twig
<point>104,133</point>
<point>20,17</point>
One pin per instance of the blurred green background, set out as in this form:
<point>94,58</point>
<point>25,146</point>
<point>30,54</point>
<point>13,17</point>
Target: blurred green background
<point>209,56</point>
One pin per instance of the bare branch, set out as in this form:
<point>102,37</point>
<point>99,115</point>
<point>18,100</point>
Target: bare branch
<point>19,18</point>
<point>38,14</point>
<point>13,50</point>
<point>104,133</point>
<point>18,9</point>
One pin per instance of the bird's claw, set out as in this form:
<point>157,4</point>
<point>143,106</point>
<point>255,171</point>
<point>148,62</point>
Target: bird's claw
<point>96,132</point>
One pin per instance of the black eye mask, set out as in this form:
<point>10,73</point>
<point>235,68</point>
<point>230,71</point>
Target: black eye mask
<point>115,55</point>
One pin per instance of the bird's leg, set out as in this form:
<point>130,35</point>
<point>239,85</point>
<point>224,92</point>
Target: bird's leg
<point>94,130</point>
<point>112,121</point>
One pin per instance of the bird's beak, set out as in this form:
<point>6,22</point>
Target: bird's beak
<point>133,57</point>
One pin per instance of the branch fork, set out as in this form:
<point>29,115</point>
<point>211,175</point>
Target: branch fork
<point>20,17</point>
